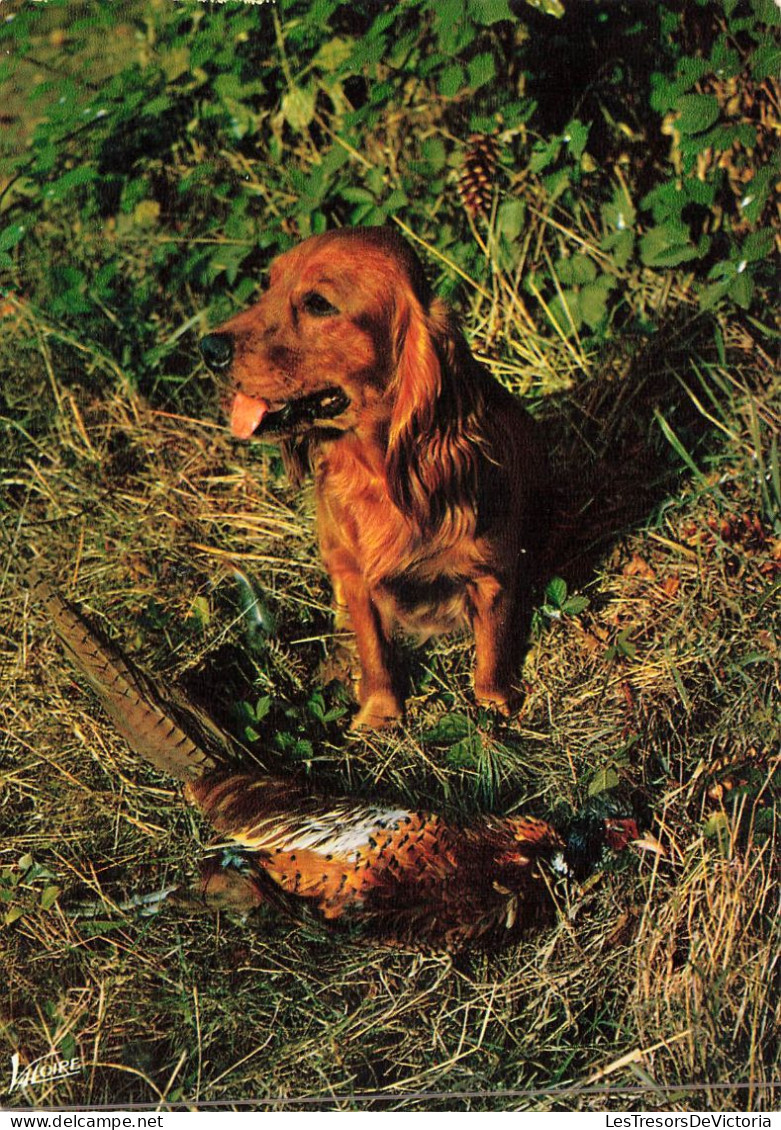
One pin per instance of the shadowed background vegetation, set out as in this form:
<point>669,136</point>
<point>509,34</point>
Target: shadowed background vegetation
<point>594,187</point>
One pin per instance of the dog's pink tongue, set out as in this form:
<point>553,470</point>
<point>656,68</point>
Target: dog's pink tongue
<point>246,414</point>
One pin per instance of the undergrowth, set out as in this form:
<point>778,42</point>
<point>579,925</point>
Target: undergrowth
<point>609,265</point>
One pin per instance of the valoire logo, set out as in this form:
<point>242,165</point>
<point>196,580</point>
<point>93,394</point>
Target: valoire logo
<point>44,1070</point>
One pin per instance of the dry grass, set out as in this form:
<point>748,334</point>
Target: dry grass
<point>655,988</point>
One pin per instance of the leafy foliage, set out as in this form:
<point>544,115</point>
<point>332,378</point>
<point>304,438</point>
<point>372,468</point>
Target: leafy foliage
<point>24,888</point>
<point>222,136</point>
<point>558,603</point>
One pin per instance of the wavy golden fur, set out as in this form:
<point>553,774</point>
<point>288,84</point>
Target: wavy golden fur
<point>430,477</point>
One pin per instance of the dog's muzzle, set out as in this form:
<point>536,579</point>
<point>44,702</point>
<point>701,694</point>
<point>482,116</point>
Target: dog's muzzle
<point>255,416</point>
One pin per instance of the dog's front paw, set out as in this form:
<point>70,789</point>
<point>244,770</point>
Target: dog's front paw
<point>380,709</point>
<point>504,700</point>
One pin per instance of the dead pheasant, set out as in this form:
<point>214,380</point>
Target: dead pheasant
<point>403,876</point>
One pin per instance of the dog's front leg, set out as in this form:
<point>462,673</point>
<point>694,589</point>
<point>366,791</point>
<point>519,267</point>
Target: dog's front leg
<point>498,627</point>
<point>379,702</point>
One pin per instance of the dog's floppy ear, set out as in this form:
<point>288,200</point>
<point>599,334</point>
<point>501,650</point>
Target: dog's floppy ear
<point>433,428</point>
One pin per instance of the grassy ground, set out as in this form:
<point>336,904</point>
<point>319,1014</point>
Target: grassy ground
<point>655,987</point>
<point>657,978</point>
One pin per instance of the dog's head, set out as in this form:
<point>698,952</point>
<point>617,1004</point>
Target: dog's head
<point>319,349</point>
<point>348,338</point>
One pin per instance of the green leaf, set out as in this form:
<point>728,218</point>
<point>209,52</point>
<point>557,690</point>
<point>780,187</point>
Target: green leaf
<point>49,896</point>
<point>403,53</point>
<point>381,94</point>
<point>333,53</point>
<point>449,728</point>
<point>741,290</point>
<point>244,712</point>
<point>465,754</point>
<point>487,12</point>
<point>316,706</point>
<point>544,153</point>
<point>357,195</point>
<point>593,302</point>
<point>576,270</point>
<point>510,219</point>
<point>667,245</point>
<point>602,781</point>
<point>622,245</point>
<point>678,447</point>
<point>767,11</point>
<point>481,70</point>
<point>434,153</point>
<point>624,645</point>
<point>766,61</point>
<point>96,927</point>
<point>76,177</point>
<point>699,191</point>
<point>556,591</point>
<point>455,30</point>
<point>12,235</point>
<point>298,106</point>
<point>451,81</point>
<point>692,69</point>
<point>721,138</point>
<point>664,92</point>
<point>369,215</point>
<point>757,245</point>
<point>67,1046</point>
<point>45,158</point>
<point>397,199</point>
<point>557,182</point>
<point>696,112</point>
<point>262,707</point>
<point>334,714</point>
<point>175,62</point>
<point>665,200</point>
<point>228,259</point>
<point>37,871</point>
<point>576,136</point>
<point>565,311</point>
<point>619,213</point>
<point>154,107</point>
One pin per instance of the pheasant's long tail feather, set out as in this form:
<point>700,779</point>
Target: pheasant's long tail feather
<point>147,724</point>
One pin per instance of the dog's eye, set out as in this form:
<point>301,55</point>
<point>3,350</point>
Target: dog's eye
<point>317,305</point>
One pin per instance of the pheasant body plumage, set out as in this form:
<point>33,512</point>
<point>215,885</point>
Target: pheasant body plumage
<point>410,875</point>
<point>403,876</point>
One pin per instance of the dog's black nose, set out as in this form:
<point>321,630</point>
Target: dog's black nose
<point>217,351</point>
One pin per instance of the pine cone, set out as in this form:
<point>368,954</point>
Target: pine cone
<point>476,182</point>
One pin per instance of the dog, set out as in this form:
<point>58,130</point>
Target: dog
<point>431,479</point>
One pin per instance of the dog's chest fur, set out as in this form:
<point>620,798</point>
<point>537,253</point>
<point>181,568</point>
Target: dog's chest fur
<point>419,580</point>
